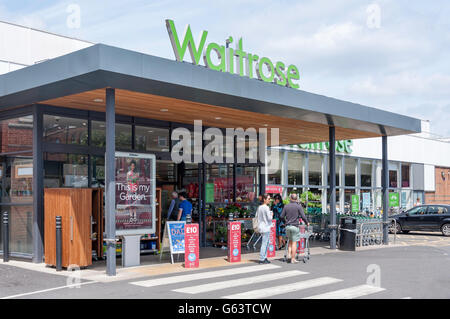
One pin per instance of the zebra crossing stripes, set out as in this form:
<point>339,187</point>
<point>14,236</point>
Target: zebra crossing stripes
<point>348,293</point>
<point>239,282</point>
<point>203,275</point>
<point>284,289</point>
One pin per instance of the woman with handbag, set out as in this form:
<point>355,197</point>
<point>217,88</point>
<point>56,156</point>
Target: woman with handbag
<point>264,219</point>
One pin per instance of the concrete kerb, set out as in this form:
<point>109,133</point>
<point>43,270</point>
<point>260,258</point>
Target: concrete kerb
<point>168,268</point>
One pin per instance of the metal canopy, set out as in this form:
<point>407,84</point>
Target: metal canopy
<point>101,66</point>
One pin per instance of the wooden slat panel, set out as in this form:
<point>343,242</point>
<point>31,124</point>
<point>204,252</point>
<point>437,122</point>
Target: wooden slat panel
<point>76,241</point>
<point>129,103</point>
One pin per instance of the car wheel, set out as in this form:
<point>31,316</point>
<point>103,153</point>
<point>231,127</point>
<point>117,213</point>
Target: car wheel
<point>445,230</point>
<point>395,227</point>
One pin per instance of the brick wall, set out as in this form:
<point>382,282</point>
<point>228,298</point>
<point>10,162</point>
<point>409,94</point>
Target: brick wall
<point>442,193</point>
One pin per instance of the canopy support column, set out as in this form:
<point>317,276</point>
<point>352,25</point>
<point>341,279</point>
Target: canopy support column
<point>110,176</point>
<point>385,189</point>
<point>332,164</point>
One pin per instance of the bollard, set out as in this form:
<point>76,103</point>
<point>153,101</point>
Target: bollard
<point>188,219</point>
<point>5,237</point>
<point>58,243</point>
<point>230,217</point>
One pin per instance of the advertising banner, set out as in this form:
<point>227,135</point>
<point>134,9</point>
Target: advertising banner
<point>234,242</point>
<point>301,242</point>
<point>274,189</point>
<point>135,193</point>
<point>355,203</point>
<point>394,200</point>
<point>272,240</point>
<point>366,200</point>
<point>191,244</point>
<point>176,236</point>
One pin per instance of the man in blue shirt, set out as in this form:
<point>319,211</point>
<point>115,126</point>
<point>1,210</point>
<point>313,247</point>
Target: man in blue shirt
<point>185,207</point>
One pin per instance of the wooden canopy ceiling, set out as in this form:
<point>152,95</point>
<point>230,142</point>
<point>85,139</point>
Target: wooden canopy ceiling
<point>292,131</point>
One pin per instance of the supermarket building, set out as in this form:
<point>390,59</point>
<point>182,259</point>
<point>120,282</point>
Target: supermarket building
<point>57,115</point>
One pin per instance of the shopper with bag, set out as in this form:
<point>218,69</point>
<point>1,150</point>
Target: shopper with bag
<point>262,224</point>
<point>291,214</point>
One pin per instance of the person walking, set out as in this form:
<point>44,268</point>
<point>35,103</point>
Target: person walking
<point>185,207</point>
<point>264,216</point>
<point>174,206</point>
<point>277,209</point>
<point>291,214</point>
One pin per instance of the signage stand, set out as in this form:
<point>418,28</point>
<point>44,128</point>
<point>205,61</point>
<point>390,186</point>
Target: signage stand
<point>135,199</point>
<point>173,239</point>
<point>131,250</point>
<point>272,240</point>
<point>191,244</point>
<point>234,241</point>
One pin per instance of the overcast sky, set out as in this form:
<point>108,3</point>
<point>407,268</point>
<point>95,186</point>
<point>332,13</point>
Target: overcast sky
<point>393,55</point>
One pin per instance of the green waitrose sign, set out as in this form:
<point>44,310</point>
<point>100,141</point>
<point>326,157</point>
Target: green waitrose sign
<point>355,203</point>
<point>344,146</point>
<point>394,200</point>
<point>227,59</point>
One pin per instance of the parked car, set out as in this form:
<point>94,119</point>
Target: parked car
<point>434,217</point>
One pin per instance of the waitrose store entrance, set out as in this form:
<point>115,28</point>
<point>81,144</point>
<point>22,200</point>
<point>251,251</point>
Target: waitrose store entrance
<point>64,119</point>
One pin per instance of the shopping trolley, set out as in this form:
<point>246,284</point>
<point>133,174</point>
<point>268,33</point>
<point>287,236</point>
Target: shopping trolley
<point>308,232</point>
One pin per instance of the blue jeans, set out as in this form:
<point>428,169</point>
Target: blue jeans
<point>264,243</point>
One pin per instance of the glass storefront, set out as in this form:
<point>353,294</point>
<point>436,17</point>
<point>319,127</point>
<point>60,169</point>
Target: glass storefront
<point>16,181</point>
<point>151,139</point>
<point>366,174</point>
<point>295,168</point>
<point>359,176</point>
<point>65,170</point>
<point>65,130</point>
<point>315,169</point>
<point>350,171</point>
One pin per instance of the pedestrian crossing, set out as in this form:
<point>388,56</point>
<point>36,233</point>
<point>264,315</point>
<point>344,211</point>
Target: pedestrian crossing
<point>268,277</point>
<point>349,293</point>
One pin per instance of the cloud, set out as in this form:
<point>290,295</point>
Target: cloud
<point>403,66</point>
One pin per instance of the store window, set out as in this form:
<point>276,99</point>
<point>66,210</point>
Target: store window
<point>166,172</point>
<point>16,134</point>
<point>219,183</point>
<point>405,175</point>
<point>20,228</point>
<point>274,171</point>
<point>151,139</point>
<point>295,168</point>
<point>65,130</point>
<point>123,135</point>
<point>247,178</point>
<point>65,170</point>
<point>16,198</point>
<point>338,170</point>
<point>393,177</point>
<point>350,171</point>
<point>98,171</point>
<point>98,133</point>
<point>190,180</point>
<point>315,169</point>
<point>366,174</point>
<point>16,180</point>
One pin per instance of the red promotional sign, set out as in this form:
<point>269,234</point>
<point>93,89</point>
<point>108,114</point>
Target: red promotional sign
<point>234,242</point>
<point>273,189</point>
<point>301,242</point>
<point>272,240</point>
<point>191,246</point>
